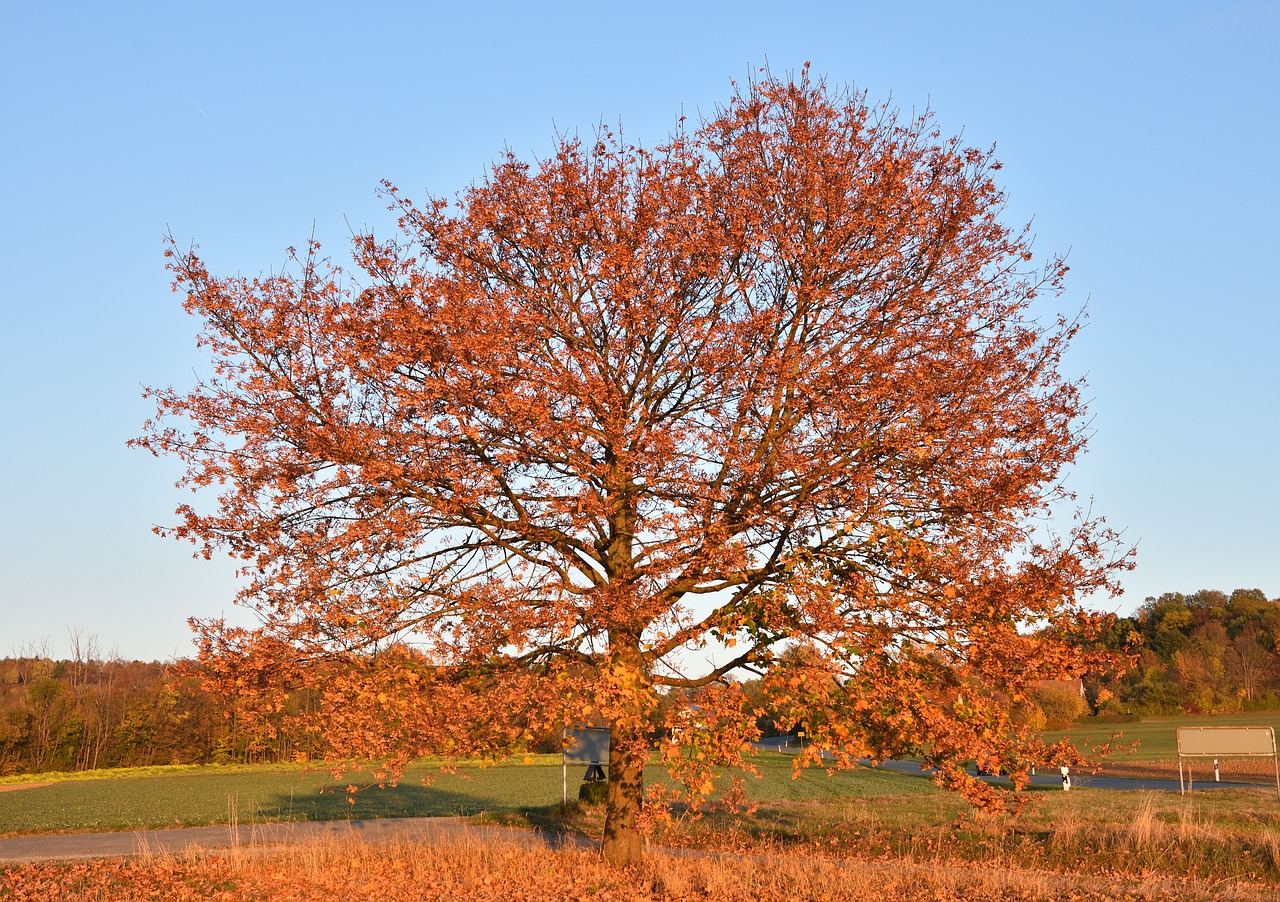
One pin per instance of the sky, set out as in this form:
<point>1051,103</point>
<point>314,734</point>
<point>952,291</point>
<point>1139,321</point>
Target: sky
<point>1140,138</point>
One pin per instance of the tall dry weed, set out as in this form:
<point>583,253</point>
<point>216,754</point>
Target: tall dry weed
<point>1145,829</point>
<point>472,867</point>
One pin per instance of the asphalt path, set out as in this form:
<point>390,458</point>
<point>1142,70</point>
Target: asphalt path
<point>1079,779</point>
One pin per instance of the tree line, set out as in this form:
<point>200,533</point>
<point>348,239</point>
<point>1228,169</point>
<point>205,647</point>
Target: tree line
<point>1208,652</point>
<point>89,711</point>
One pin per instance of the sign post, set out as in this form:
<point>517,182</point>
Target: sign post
<point>1226,742</point>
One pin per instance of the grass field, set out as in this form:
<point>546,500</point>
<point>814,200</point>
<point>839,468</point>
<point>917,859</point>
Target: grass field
<point>196,796</point>
<point>156,797</point>
<point>213,795</point>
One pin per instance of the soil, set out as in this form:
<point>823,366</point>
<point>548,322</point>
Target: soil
<point>1257,771</point>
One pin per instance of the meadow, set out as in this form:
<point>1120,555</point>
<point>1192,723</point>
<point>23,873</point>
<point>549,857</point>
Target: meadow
<point>138,798</point>
<point>1148,748</point>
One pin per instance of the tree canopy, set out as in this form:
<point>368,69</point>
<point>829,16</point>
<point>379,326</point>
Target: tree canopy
<point>629,420</point>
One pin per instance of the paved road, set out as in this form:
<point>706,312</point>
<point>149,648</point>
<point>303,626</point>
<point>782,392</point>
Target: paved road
<point>1078,779</point>
<point>69,846</point>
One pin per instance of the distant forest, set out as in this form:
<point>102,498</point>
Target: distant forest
<point>1205,653</point>
<point>88,712</point>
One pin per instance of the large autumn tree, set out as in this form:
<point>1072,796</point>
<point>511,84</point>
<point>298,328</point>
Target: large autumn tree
<point>625,421</point>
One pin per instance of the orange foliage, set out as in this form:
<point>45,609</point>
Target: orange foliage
<point>777,379</point>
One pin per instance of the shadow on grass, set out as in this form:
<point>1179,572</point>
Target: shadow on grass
<point>572,825</point>
<point>332,803</point>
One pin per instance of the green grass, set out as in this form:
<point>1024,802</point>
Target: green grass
<point>1156,735</point>
<point>777,782</point>
<point>218,796</point>
<point>195,796</point>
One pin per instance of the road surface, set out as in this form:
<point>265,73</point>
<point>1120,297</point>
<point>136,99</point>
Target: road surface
<point>1079,779</point>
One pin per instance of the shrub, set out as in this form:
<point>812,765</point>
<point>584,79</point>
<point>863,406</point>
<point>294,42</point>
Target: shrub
<point>1060,704</point>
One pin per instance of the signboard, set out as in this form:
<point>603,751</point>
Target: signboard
<point>587,745</point>
<point>1226,742</point>
<point>1211,742</point>
<point>582,745</point>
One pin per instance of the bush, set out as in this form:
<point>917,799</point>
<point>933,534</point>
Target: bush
<point>1114,718</point>
<point>593,793</point>
<point>1060,704</point>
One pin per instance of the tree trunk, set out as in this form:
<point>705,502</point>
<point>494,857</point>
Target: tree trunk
<point>623,845</point>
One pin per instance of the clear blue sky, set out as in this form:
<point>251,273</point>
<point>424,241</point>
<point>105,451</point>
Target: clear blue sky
<point>1142,137</point>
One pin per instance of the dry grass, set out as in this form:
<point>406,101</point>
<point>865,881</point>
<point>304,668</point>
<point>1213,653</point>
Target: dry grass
<point>1212,837</point>
<point>468,869</point>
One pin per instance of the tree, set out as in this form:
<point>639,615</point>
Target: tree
<point>614,413</point>
<point>1249,665</point>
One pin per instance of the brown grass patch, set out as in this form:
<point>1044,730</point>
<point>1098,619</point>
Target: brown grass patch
<point>1234,770</point>
<point>470,869</point>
